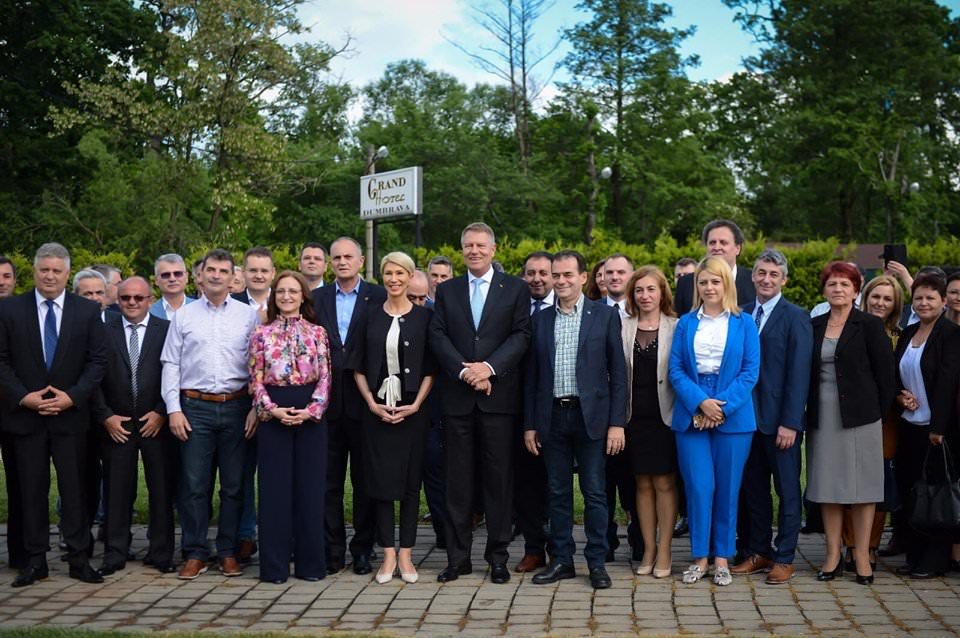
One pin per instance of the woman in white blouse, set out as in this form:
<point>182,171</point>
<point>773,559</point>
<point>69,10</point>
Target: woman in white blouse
<point>714,364</point>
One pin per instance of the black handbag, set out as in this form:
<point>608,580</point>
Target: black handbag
<point>936,506</point>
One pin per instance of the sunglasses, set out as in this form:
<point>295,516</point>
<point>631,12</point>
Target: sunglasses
<point>176,274</point>
<point>135,298</point>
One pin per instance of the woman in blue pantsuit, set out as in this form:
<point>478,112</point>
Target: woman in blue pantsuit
<point>714,364</point>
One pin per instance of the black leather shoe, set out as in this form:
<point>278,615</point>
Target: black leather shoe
<point>86,574</point>
<point>599,578</point>
<point>165,568</point>
<point>920,575</point>
<point>31,574</point>
<point>309,579</point>
<point>682,528</point>
<point>499,574</point>
<point>451,572</point>
<point>554,572</point>
<point>836,573</point>
<point>334,566</point>
<point>107,570</point>
<point>903,570</point>
<point>361,565</point>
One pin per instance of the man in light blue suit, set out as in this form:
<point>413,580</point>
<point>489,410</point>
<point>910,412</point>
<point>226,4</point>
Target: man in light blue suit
<point>171,276</point>
<point>780,397</point>
<point>575,407</point>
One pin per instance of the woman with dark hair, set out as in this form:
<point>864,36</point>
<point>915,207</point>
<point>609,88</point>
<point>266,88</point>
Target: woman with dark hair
<point>596,289</point>
<point>928,370</point>
<point>953,298</point>
<point>851,388</point>
<point>651,446</point>
<point>290,384</point>
<point>394,371</point>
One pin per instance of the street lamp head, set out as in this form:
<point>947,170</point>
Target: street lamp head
<point>606,172</point>
<point>914,187</point>
<point>382,152</point>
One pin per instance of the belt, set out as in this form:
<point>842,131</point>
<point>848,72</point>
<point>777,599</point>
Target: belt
<point>216,398</point>
<point>566,402</point>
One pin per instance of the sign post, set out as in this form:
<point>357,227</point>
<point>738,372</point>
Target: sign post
<point>388,197</point>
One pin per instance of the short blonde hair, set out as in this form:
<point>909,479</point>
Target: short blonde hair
<point>399,258</point>
<point>717,266</point>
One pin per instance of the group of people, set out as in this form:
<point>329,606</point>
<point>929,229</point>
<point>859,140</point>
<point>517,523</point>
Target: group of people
<point>488,390</point>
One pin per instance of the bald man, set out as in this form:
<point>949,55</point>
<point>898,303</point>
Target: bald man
<point>132,417</point>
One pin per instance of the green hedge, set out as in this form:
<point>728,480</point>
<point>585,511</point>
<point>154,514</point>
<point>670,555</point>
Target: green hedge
<point>803,287</point>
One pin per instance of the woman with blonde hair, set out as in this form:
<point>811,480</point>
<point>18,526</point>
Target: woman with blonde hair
<point>651,446</point>
<point>394,371</point>
<point>714,363</point>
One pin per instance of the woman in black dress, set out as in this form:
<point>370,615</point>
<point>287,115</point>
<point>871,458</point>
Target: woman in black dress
<point>651,445</point>
<point>394,371</point>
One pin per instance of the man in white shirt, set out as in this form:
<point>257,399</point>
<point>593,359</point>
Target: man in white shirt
<point>313,264</point>
<point>204,389</point>
<point>617,270</point>
<point>171,276</point>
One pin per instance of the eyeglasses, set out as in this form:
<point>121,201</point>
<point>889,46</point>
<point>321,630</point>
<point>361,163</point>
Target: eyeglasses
<point>176,274</point>
<point>134,298</point>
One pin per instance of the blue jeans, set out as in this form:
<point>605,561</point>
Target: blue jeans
<point>216,427</point>
<point>567,440</point>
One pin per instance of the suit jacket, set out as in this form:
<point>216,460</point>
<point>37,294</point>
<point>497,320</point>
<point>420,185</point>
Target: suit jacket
<point>665,394</point>
<point>501,340</point>
<point>738,374</point>
<point>115,394</point>
<point>780,396</point>
<point>157,310</point>
<point>78,364</point>
<point>940,368</point>
<point>600,368</point>
<point>746,291</point>
<point>344,396</point>
<point>865,370</point>
<point>369,354</point>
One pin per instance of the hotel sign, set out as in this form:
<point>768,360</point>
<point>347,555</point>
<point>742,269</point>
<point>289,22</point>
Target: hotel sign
<point>396,193</point>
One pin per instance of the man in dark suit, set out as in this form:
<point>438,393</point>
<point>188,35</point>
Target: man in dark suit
<point>16,554</point>
<point>131,416</point>
<point>780,397</point>
<point>479,334</point>
<point>575,408</point>
<point>51,361</point>
<point>341,310</point>
<point>722,238</point>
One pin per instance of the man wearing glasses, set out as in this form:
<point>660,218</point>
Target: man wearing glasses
<point>170,275</point>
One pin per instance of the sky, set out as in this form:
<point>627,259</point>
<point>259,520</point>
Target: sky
<point>384,31</point>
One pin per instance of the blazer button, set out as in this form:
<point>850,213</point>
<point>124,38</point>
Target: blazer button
<point>400,320</point>
<point>406,370</point>
<point>476,338</point>
<point>406,343</point>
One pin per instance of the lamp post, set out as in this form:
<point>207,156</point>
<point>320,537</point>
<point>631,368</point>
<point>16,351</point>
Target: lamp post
<point>371,231</point>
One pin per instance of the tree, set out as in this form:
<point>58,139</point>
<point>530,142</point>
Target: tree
<point>623,45</point>
<point>851,103</point>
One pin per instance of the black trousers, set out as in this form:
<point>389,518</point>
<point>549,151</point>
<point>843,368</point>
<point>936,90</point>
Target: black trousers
<point>344,443</point>
<point>925,553</point>
<point>69,453</point>
<point>93,472</point>
<point>620,479</point>
<point>488,439</point>
<point>16,552</point>
<point>434,485</point>
<point>120,491</point>
<point>530,499</point>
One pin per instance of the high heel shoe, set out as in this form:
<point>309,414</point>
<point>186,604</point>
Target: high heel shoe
<point>644,570</point>
<point>864,580</point>
<point>835,573</point>
<point>409,577</point>
<point>384,578</point>
<point>663,573</point>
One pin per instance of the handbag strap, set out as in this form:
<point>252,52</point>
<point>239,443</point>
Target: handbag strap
<point>947,461</point>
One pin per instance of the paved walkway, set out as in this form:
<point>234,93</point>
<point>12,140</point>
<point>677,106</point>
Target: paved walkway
<point>141,599</point>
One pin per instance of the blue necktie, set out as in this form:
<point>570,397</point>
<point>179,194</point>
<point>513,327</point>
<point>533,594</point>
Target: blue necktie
<point>759,317</point>
<point>476,303</point>
<point>50,333</point>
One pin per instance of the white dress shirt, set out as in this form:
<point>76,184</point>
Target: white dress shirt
<point>545,302</point>
<point>487,278</point>
<point>141,331</point>
<point>912,377</point>
<point>710,341</point>
<point>619,305</point>
<point>42,314</point>
<point>206,349</point>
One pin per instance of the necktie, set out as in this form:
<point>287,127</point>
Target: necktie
<point>537,305</point>
<point>759,316</point>
<point>476,302</point>
<point>134,359</point>
<point>50,333</point>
